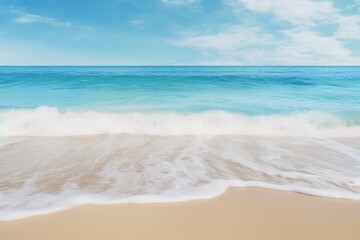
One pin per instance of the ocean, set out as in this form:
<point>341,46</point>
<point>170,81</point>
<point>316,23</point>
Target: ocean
<point>99,135</point>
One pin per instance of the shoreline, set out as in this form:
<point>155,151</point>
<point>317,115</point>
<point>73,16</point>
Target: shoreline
<point>239,213</point>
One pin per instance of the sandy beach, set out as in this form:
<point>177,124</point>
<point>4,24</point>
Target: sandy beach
<point>240,213</point>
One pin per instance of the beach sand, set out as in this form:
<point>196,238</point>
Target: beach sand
<point>240,213</point>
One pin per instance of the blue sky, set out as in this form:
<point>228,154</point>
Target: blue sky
<point>179,32</point>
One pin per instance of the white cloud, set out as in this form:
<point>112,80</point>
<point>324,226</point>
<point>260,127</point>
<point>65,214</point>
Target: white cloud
<point>231,39</point>
<point>306,47</point>
<point>297,12</point>
<point>301,45</point>
<point>349,27</point>
<point>32,18</point>
<point>305,14</point>
<point>181,2</point>
<point>250,46</point>
<point>355,4</point>
<point>227,61</point>
<point>137,23</point>
<point>23,17</point>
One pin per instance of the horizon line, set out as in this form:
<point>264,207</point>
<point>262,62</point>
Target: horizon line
<point>106,65</point>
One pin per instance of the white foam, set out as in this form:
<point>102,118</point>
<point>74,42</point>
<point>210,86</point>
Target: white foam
<point>106,169</point>
<point>47,121</point>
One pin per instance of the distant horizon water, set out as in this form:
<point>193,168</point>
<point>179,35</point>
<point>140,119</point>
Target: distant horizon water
<point>178,65</point>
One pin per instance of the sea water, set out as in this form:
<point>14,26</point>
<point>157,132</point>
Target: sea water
<point>77,135</point>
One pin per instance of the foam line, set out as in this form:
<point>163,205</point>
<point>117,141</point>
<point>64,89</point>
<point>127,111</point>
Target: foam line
<point>47,121</point>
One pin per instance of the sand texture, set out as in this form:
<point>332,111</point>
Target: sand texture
<point>240,213</point>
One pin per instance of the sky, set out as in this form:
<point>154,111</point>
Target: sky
<point>179,32</point>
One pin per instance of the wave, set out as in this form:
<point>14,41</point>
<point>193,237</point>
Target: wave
<point>44,174</point>
<point>49,121</point>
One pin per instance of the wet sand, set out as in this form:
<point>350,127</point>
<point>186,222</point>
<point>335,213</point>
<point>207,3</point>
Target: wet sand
<point>240,213</point>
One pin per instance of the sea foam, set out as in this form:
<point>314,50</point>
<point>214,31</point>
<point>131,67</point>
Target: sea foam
<point>49,121</point>
<point>46,174</point>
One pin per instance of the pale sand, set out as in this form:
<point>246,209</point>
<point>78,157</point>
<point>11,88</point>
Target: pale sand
<point>238,214</point>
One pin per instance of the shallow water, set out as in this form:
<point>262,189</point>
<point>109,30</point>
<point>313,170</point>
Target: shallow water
<point>43,174</point>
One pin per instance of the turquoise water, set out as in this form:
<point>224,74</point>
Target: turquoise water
<point>99,135</point>
<point>249,90</point>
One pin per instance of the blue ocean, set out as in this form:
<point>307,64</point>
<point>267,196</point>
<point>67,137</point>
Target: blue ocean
<point>77,135</point>
<point>244,90</point>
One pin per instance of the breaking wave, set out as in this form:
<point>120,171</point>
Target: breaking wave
<point>49,121</point>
